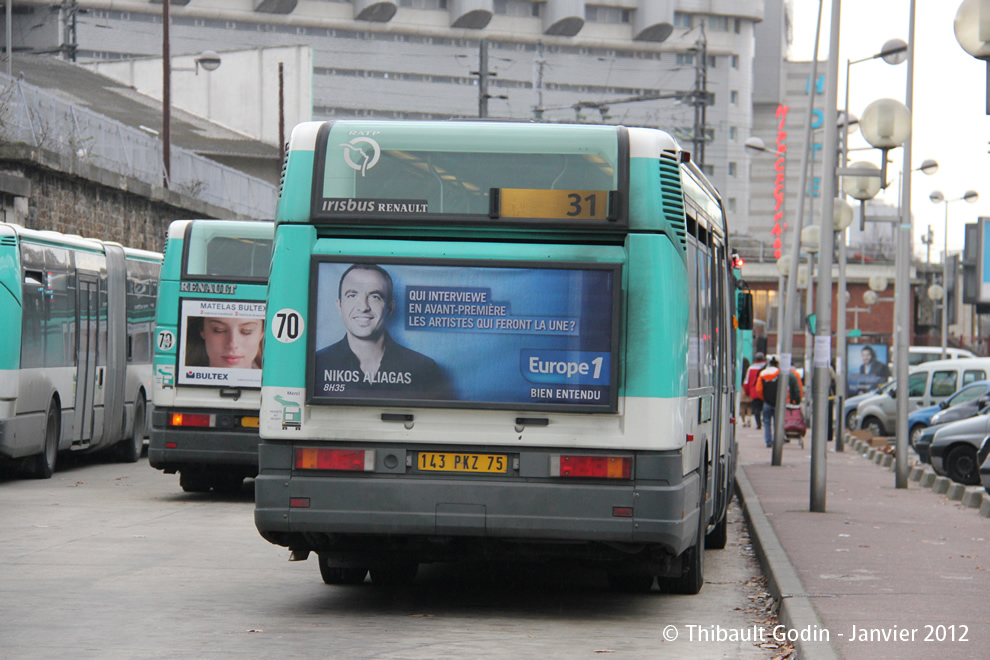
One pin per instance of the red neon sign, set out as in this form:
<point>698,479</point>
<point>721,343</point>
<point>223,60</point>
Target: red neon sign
<point>778,187</point>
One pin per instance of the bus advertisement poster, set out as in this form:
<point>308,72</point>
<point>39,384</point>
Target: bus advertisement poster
<point>457,333</point>
<point>221,343</point>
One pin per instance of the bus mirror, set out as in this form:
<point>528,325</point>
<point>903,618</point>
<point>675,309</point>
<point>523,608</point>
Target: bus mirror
<point>744,309</point>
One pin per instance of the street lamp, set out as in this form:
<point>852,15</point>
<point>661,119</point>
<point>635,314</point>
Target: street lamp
<point>973,34</point>
<point>209,60</point>
<point>893,52</point>
<point>938,198</point>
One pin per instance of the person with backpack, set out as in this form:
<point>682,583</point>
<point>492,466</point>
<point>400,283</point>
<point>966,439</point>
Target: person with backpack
<point>766,389</point>
<point>749,386</point>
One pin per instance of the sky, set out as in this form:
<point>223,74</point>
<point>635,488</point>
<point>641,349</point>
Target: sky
<point>950,123</point>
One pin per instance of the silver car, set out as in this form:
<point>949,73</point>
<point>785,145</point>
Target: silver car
<point>954,448</point>
<point>981,458</point>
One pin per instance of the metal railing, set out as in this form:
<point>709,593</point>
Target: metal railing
<point>37,118</point>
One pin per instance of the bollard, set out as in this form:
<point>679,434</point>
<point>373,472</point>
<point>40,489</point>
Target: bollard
<point>916,473</point>
<point>955,492</point>
<point>941,485</point>
<point>973,499</point>
<point>928,479</point>
<point>888,460</point>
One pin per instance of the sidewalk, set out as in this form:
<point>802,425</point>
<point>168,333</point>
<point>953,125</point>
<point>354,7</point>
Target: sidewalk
<point>901,563</point>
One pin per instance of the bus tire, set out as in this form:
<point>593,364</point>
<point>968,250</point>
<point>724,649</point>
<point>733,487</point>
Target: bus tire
<point>692,576</point>
<point>132,448</point>
<point>44,463</point>
<point>394,575</point>
<point>194,481</point>
<point>227,482</point>
<point>719,536</point>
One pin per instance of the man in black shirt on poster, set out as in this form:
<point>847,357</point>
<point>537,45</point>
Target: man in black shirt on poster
<point>367,361</point>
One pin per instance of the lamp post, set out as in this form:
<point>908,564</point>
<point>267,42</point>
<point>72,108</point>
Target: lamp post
<point>973,35</point>
<point>938,198</point>
<point>209,60</point>
<point>785,336</point>
<point>842,217</point>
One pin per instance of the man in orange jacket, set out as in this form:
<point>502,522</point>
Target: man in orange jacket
<point>766,389</point>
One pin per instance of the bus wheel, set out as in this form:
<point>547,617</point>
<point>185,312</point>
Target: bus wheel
<point>632,583</point>
<point>131,448</point>
<point>335,575</point>
<point>44,463</point>
<point>719,536</point>
<point>396,575</point>
<point>692,576</point>
<point>193,481</point>
<point>228,482</point>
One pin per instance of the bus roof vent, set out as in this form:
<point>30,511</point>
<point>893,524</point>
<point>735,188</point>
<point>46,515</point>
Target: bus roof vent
<point>673,195</point>
<point>281,180</point>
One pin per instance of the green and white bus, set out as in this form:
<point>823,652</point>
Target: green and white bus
<point>208,338</point>
<point>501,341</point>
<point>76,317</point>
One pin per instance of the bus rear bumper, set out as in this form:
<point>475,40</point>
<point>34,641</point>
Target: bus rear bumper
<point>173,450</point>
<point>449,517</point>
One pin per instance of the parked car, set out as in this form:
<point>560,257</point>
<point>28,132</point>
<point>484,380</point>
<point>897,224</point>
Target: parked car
<point>981,458</point>
<point>928,384</point>
<point>968,401</point>
<point>921,354</point>
<point>850,405</point>
<point>954,446</point>
<point>965,403</point>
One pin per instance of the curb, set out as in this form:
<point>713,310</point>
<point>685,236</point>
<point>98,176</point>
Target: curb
<point>970,497</point>
<point>795,608</point>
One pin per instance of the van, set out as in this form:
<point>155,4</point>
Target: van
<point>928,384</point>
<point>921,354</point>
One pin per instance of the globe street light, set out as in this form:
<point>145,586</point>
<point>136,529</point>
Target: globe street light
<point>937,197</point>
<point>893,52</point>
<point>972,34</point>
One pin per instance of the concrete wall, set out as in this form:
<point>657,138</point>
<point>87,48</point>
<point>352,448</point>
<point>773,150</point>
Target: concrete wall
<point>70,196</point>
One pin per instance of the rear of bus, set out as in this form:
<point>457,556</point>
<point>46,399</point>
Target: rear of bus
<point>208,339</point>
<point>529,288</point>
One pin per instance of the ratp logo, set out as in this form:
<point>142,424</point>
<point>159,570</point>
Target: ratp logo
<point>365,161</point>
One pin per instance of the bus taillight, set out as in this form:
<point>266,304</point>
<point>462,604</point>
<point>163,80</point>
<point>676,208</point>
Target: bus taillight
<point>313,458</point>
<point>602,467</point>
<point>190,419</point>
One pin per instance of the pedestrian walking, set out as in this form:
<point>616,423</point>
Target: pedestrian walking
<point>749,386</point>
<point>767,390</point>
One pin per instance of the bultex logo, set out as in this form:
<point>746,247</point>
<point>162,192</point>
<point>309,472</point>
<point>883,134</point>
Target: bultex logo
<point>194,375</point>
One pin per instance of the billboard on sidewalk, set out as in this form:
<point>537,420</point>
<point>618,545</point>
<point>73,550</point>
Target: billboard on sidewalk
<point>867,364</point>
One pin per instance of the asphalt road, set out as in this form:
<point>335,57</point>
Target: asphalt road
<point>111,560</point>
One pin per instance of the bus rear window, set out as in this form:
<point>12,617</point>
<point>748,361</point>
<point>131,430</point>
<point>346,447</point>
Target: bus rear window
<point>405,170</point>
<point>212,253</point>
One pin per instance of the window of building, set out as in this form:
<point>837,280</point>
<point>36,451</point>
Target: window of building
<point>730,205</point>
<point>734,61</point>
<point>682,20</point>
<point>733,97</point>
<point>738,26</point>
<point>423,4</point>
<point>732,132</point>
<point>732,169</point>
<point>712,62</point>
<point>685,59</point>
<point>718,23</point>
<point>599,14</point>
<point>516,8</point>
